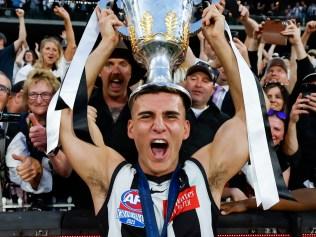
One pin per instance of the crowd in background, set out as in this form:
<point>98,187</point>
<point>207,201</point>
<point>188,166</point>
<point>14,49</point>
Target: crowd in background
<point>28,80</point>
<point>303,11</point>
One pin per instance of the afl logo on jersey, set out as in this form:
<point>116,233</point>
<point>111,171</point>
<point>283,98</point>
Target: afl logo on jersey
<point>130,209</point>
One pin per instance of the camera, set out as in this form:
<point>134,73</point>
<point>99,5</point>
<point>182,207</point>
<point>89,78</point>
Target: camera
<point>271,32</point>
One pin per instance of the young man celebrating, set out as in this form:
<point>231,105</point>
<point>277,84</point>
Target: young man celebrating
<point>157,196</point>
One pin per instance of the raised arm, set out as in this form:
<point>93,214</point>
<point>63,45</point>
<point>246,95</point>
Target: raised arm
<point>70,35</point>
<point>290,145</point>
<point>108,23</point>
<point>22,31</point>
<point>94,164</point>
<point>229,150</point>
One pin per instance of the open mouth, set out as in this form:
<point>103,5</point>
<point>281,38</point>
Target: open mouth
<point>116,83</point>
<point>159,148</point>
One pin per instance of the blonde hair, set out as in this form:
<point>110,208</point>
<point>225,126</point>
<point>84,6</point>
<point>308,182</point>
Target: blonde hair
<point>37,75</point>
<point>40,61</point>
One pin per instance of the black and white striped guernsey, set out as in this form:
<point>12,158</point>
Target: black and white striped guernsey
<point>194,214</point>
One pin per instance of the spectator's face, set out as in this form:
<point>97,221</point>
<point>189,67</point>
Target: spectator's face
<point>276,74</point>
<point>28,57</point>
<point>222,79</point>
<point>50,54</point>
<point>275,97</point>
<point>115,77</point>
<point>4,91</point>
<point>277,129</point>
<point>38,104</point>
<point>200,88</point>
<point>158,127</point>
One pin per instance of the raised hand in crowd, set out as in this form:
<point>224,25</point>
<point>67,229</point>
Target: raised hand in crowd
<point>309,29</point>
<point>300,107</point>
<point>37,49</point>
<point>290,145</point>
<point>37,134</point>
<point>293,32</point>
<point>70,36</point>
<point>22,30</point>
<point>61,12</point>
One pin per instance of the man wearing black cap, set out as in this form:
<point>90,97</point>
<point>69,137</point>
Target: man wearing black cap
<point>205,118</point>
<point>110,101</point>
<point>158,126</point>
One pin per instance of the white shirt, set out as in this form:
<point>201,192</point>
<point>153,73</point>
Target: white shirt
<point>219,95</point>
<point>62,68</point>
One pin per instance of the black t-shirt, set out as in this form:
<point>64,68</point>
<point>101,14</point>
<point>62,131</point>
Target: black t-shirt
<point>202,129</point>
<point>7,57</point>
<point>114,132</point>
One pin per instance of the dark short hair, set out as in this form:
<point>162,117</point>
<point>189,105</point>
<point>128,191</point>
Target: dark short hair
<point>284,91</point>
<point>204,67</point>
<point>155,88</point>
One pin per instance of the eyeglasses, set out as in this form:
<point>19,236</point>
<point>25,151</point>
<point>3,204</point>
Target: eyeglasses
<point>43,95</point>
<point>4,89</point>
<point>281,115</point>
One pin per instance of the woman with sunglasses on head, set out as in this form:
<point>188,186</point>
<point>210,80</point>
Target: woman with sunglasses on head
<point>29,167</point>
<point>52,56</point>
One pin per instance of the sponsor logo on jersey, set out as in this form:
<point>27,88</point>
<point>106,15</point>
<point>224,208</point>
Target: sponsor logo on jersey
<point>130,209</point>
<point>187,200</point>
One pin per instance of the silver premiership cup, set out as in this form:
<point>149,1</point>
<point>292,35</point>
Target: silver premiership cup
<point>159,32</point>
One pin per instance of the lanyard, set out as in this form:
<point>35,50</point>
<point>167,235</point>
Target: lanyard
<point>147,202</point>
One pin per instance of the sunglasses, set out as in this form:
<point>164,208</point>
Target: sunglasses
<point>281,115</point>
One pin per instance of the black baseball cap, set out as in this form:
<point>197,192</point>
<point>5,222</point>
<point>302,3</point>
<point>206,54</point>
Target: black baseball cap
<point>155,87</point>
<point>205,68</point>
<point>309,78</point>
